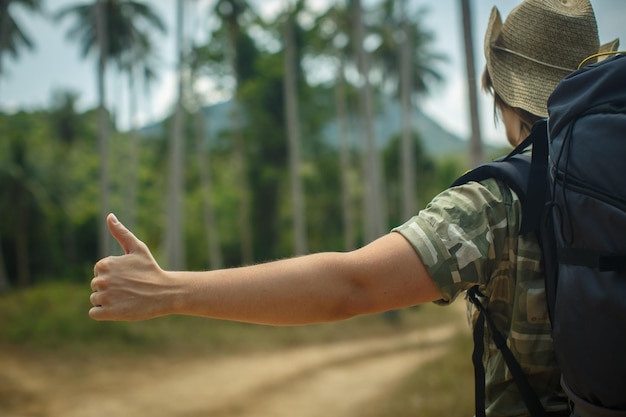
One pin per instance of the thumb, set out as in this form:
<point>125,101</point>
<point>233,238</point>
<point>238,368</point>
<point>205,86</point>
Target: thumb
<point>124,237</point>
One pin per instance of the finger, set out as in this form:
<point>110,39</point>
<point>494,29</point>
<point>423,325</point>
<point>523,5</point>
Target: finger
<point>98,284</point>
<point>93,298</point>
<point>96,313</point>
<point>124,237</point>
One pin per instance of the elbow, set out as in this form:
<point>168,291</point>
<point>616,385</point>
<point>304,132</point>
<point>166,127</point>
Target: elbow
<point>356,299</point>
<point>352,287</point>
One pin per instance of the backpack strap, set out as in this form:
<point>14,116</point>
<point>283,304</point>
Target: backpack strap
<point>529,396</point>
<point>601,261</point>
<point>582,408</point>
<point>525,175</point>
<point>537,191</point>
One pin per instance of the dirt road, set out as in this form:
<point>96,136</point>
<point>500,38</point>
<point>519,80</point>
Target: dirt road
<point>337,379</point>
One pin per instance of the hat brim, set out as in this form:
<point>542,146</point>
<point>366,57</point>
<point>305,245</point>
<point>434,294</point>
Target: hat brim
<point>520,82</point>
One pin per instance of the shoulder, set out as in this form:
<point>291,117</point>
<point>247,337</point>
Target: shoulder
<point>464,233</point>
<point>483,203</point>
<point>472,207</point>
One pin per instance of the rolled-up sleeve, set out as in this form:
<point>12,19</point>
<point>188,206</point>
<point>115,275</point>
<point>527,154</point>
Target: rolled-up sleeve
<point>464,235</point>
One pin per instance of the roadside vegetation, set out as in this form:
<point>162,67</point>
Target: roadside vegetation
<point>440,388</point>
<point>53,316</point>
<point>50,320</point>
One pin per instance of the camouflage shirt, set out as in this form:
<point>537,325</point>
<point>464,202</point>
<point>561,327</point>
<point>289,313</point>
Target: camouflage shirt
<point>468,235</point>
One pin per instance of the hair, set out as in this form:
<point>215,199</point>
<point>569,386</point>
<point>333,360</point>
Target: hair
<point>527,118</point>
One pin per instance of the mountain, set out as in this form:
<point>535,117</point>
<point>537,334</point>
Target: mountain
<point>436,140</point>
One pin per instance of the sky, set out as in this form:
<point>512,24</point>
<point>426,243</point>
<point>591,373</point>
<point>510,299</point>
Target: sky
<point>55,63</point>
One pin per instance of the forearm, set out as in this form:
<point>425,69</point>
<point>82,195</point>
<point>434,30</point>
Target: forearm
<point>386,274</point>
<point>309,289</point>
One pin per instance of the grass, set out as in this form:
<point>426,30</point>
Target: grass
<point>52,319</point>
<point>441,388</point>
<point>54,316</point>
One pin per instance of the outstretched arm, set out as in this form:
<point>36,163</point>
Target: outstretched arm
<point>384,275</point>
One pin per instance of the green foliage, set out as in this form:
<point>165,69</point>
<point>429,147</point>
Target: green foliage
<point>425,170</point>
<point>33,168</point>
<point>49,166</point>
<point>127,24</point>
<point>55,315</point>
<point>432,175</point>
<point>48,184</point>
<point>50,315</point>
<point>52,319</point>
<point>14,36</point>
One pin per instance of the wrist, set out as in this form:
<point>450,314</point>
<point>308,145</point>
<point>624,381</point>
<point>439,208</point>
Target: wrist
<point>180,292</point>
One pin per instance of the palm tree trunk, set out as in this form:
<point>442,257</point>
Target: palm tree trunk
<point>5,285</point>
<point>103,129</point>
<point>21,239</point>
<point>293,137</point>
<point>373,201</point>
<point>133,157</point>
<point>244,216</point>
<point>174,242</point>
<point>476,148</point>
<point>344,157</point>
<point>206,182</point>
<point>407,157</point>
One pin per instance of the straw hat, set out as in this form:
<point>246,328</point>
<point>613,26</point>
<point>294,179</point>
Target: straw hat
<point>540,43</point>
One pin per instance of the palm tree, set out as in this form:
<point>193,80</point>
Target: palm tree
<point>12,40</point>
<point>12,37</point>
<point>26,188</point>
<point>293,130</point>
<point>407,161</point>
<point>408,64</point>
<point>91,30</point>
<point>216,257</point>
<point>174,242</point>
<point>139,63</point>
<point>476,148</point>
<point>374,215</point>
<point>332,38</point>
<point>111,28</point>
<point>67,126</point>
<point>202,61</point>
<point>231,13</point>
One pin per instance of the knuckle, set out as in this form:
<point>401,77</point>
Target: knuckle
<point>101,298</point>
<point>93,298</point>
<point>103,265</point>
<point>98,284</point>
<point>142,247</point>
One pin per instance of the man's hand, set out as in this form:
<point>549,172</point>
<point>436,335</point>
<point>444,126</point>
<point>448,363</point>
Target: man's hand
<point>130,287</point>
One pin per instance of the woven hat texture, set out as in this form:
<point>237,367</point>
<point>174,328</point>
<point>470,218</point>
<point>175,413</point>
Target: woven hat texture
<point>540,43</point>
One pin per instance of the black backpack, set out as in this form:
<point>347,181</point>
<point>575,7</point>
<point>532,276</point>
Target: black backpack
<point>573,195</point>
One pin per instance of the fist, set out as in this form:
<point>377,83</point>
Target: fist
<point>129,287</point>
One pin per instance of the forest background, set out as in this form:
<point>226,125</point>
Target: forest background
<point>319,143</point>
<point>297,126</point>
<point>285,166</point>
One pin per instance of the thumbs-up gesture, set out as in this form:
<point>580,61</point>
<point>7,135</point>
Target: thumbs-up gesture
<point>130,287</point>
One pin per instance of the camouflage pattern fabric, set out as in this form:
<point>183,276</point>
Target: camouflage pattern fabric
<point>468,235</point>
